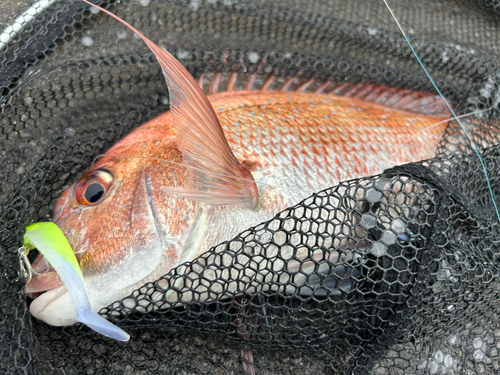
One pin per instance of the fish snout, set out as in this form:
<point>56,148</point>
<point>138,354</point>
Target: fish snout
<point>43,278</point>
<point>42,283</point>
<point>55,307</point>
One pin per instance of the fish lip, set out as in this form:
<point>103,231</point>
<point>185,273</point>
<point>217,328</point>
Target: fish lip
<point>44,278</point>
<point>37,308</point>
<point>41,283</point>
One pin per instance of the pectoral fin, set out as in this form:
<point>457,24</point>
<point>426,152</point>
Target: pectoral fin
<point>222,180</point>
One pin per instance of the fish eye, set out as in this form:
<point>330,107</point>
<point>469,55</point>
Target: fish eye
<point>94,192</point>
<point>92,187</point>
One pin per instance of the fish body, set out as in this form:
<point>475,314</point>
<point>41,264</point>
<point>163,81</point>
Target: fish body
<point>295,144</point>
<point>292,143</point>
<point>210,168</point>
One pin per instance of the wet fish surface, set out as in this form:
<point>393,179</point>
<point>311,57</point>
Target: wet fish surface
<point>208,169</point>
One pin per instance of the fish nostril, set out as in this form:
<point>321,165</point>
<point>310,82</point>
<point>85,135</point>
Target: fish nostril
<point>61,205</point>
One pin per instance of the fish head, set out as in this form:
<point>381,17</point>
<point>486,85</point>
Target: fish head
<point>124,229</point>
<point>131,214</point>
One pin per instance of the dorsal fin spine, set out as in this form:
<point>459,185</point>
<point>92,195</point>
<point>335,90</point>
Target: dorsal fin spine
<point>200,136</point>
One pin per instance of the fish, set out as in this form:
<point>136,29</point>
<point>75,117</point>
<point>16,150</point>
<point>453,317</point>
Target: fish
<point>211,167</point>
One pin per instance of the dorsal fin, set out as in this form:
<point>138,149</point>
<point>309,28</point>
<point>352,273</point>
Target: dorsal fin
<point>224,181</point>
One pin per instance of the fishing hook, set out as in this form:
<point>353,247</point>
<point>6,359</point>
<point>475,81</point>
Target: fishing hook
<point>25,265</point>
<point>27,270</point>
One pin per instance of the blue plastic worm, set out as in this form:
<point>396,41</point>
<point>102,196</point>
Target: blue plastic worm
<point>53,245</point>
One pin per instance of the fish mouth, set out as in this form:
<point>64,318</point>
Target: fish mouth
<point>54,307</point>
<point>44,279</point>
<point>42,283</point>
<point>52,302</point>
<point>44,299</point>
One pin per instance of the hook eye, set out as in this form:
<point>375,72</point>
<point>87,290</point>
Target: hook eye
<point>25,265</point>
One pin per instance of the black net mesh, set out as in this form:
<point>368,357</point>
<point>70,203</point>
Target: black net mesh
<point>391,274</point>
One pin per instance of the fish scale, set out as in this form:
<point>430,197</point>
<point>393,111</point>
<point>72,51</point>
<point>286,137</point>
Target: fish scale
<point>295,144</point>
<point>209,168</point>
<point>290,152</point>
<point>350,144</point>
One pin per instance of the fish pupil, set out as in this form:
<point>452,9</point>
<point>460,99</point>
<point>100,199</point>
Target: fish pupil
<point>94,192</point>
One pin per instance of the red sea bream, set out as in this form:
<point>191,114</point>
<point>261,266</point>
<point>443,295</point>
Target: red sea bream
<point>211,167</point>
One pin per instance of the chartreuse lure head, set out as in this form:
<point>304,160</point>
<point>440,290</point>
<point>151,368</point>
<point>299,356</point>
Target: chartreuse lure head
<point>53,245</point>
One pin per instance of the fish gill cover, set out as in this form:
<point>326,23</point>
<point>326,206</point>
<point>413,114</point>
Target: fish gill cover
<point>400,273</point>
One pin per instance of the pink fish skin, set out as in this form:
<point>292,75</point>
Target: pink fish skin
<point>293,144</point>
<point>208,169</point>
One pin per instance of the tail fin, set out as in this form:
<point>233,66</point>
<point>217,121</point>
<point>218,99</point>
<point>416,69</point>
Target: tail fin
<point>96,322</point>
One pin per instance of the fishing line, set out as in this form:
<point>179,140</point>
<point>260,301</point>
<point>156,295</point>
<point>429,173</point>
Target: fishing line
<point>443,121</point>
<point>450,108</point>
<point>427,128</point>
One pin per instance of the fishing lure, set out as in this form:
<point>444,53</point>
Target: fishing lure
<point>51,242</point>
